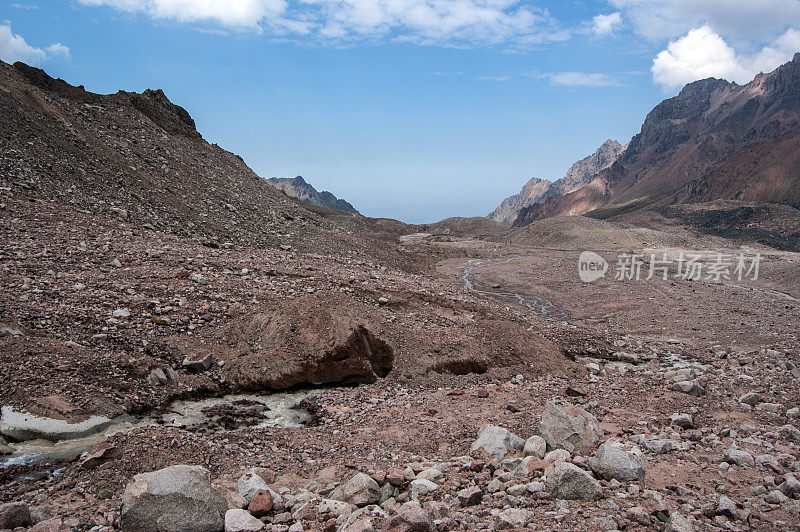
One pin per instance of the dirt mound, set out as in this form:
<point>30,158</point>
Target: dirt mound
<point>311,340</point>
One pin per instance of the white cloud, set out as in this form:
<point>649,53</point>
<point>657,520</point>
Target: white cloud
<point>446,22</point>
<point>702,53</point>
<point>493,78</point>
<point>606,24</point>
<point>15,48</point>
<point>577,79</point>
<point>232,13</point>
<point>735,19</point>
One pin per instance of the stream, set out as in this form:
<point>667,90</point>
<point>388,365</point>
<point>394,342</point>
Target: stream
<point>40,439</point>
<point>535,303</point>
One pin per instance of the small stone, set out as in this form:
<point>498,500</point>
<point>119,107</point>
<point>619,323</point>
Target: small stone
<point>750,398</point>
<point>197,362</point>
<point>726,507</point>
<point>775,497</point>
<point>121,313</point>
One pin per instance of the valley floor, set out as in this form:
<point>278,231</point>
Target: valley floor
<point>90,307</point>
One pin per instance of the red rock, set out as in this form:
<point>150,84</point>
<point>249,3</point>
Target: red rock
<point>395,476</point>
<point>261,504</point>
<point>102,453</point>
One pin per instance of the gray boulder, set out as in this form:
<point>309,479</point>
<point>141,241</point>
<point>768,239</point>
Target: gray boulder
<point>360,490</point>
<point>614,460</point>
<point>569,427</point>
<point>535,446</point>
<point>497,441</point>
<point>678,523</point>
<point>14,515</point>
<point>241,521</point>
<point>690,387</point>
<point>568,481</point>
<point>174,499</point>
<point>739,457</point>
<point>420,486</point>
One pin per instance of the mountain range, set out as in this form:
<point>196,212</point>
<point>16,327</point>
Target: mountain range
<point>715,140</point>
<point>538,190</point>
<point>298,188</point>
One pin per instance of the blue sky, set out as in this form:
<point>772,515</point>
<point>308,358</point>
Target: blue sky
<point>410,109</point>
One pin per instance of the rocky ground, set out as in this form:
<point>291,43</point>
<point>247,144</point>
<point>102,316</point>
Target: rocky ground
<point>652,405</point>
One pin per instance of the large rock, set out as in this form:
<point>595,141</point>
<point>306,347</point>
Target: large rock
<point>251,483</point>
<point>569,427</point>
<point>13,515</point>
<point>241,521</point>
<point>174,499</point>
<point>678,523</point>
<point>535,446</point>
<point>360,490</point>
<point>614,460</point>
<point>497,441</point>
<point>568,481</point>
<point>419,486</point>
<point>513,519</point>
<point>410,518</point>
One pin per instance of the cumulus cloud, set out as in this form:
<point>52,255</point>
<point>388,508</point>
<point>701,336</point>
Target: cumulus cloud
<point>14,48</point>
<point>746,19</point>
<point>606,24</point>
<point>577,79</point>
<point>448,22</point>
<point>702,53</point>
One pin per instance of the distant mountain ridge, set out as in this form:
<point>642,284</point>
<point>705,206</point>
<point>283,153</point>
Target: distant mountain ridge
<point>298,188</point>
<point>715,140</point>
<point>538,190</point>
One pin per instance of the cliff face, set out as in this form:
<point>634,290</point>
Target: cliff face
<point>715,140</point>
<point>303,191</point>
<point>538,190</point>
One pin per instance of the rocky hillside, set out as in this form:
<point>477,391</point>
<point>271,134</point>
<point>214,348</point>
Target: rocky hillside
<point>298,188</point>
<point>715,140</point>
<point>538,190</point>
<point>139,158</point>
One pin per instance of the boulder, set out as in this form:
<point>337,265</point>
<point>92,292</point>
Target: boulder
<point>497,441</point>
<point>513,518</point>
<point>568,481</point>
<point>689,387</point>
<point>569,427</point>
<point>261,504</point>
<point>173,499</point>
<point>750,398</point>
<point>241,521</point>
<point>410,518</point>
<point>251,483</point>
<point>678,523</point>
<point>684,421</point>
<point>419,486</point>
<point>360,490</point>
<point>535,446</point>
<point>739,457</point>
<point>614,460</point>
<point>14,515</point>
<point>470,496</point>
<point>197,362</point>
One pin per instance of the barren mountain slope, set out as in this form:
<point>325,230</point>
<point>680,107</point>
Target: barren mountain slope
<point>715,140</point>
<point>538,190</point>
<point>139,157</point>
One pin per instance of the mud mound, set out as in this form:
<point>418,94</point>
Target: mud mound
<point>312,340</point>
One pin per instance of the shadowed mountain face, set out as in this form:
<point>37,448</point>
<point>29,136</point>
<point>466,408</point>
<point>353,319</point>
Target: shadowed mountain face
<point>538,190</point>
<point>715,140</point>
<point>300,189</point>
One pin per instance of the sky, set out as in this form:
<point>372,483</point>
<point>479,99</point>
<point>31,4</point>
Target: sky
<point>410,109</point>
